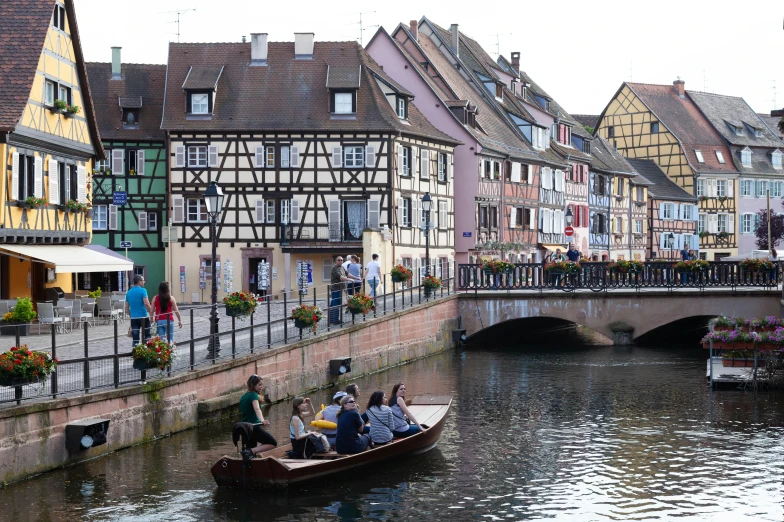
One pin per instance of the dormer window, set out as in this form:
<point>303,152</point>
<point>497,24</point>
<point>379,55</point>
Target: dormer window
<point>130,117</point>
<point>402,111</point>
<point>543,102</point>
<point>775,158</point>
<point>720,157</point>
<point>343,84</point>
<point>698,153</point>
<point>130,107</point>
<point>200,103</point>
<point>564,134</point>
<point>745,157</point>
<point>735,128</point>
<point>343,103</point>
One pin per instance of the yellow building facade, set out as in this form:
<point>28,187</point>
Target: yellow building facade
<point>48,142</point>
<point>660,122</point>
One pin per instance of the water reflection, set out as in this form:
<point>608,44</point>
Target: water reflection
<point>591,433</point>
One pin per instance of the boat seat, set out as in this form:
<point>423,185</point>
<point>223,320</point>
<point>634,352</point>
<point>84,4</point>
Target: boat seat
<point>328,455</point>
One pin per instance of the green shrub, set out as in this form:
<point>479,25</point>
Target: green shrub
<point>23,311</point>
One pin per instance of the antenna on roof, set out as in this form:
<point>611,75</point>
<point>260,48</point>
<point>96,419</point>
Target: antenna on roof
<point>774,94</point>
<point>704,81</point>
<point>181,11</point>
<point>498,43</point>
<point>361,29</point>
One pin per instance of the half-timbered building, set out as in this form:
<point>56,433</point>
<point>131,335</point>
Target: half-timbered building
<point>662,123</point>
<point>757,154</point>
<point>671,214</point>
<point>129,102</point>
<point>317,150</point>
<point>48,139</point>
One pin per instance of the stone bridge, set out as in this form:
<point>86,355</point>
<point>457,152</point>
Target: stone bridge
<point>621,316</point>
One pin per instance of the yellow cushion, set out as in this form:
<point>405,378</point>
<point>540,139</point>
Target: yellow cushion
<point>324,424</point>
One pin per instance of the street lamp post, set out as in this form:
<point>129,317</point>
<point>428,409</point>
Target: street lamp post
<point>427,206</point>
<point>213,201</point>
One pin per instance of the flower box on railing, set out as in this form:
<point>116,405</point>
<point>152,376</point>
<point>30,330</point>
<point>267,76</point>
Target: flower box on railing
<point>728,362</point>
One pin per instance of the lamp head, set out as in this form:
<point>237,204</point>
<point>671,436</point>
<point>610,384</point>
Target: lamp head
<point>427,202</point>
<point>213,199</point>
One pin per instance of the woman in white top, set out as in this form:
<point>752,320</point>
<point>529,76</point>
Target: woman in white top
<point>373,274</point>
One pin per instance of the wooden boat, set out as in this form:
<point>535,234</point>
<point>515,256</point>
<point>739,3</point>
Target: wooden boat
<point>272,468</point>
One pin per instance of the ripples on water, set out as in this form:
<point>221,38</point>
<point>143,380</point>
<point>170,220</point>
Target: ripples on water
<point>603,433</point>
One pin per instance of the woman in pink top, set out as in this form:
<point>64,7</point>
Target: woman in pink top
<point>165,307</point>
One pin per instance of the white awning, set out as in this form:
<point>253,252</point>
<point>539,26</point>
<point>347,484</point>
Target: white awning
<point>69,258</point>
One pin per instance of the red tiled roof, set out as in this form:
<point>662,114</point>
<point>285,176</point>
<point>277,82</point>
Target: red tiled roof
<point>141,84</point>
<point>286,94</point>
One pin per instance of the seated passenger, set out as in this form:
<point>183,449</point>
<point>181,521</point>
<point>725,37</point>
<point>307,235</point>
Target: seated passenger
<point>350,438</point>
<point>297,432</point>
<point>401,413</point>
<point>382,420</point>
<point>330,413</point>
<point>251,413</point>
<point>353,389</point>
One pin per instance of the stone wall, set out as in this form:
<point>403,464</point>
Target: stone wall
<point>32,436</point>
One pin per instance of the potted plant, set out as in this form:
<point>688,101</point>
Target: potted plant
<point>34,202</point>
<point>723,324</point>
<point>20,366</point>
<point>95,294</point>
<point>731,339</point>
<point>240,304</point>
<point>496,266</point>
<point>154,353</point>
<point>18,320</point>
<point>695,265</point>
<point>625,267</point>
<point>737,358</point>
<point>307,317</point>
<point>431,283</point>
<point>132,172</point>
<point>772,340</point>
<point>59,106</point>
<point>401,274</point>
<point>703,198</point>
<point>75,207</point>
<point>703,234</point>
<point>723,236</point>
<point>70,110</point>
<point>360,303</point>
<point>562,267</point>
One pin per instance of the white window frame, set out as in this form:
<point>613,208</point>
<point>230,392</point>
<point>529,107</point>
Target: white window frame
<point>49,94</point>
<point>406,161</point>
<point>698,153</point>
<point>197,156</point>
<point>63,93</point>
<point>746,223</point>
<point>269,156</point>
<point>700,187</point>
<point>270,211</point>
<point>200,107</point>
<point>778,189</point>
<point>720,157</point>
<point>747,189</point>
<point>667,211</point>
<point>442,166</point>
<point>745,157</point>
<point>152,221</point>
<point>100,217</point>
<point>775,159</point>
<point>721,188</point>
<point>722,222</point>
<point>344,102</point>
<point>401,108</point>
<point>687,212</point>
<point>353,156</point>
<point>702,222</point>
<point>638,226</point>
<point>326,268</point>
<point>406,212</point>
<point>195,207</point>
<point>285,156</point>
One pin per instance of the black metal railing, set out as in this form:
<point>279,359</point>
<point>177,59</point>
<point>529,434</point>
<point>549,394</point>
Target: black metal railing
<point>98,359</point>
<point>600,277</point>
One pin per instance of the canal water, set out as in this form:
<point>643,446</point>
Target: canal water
<point>590,433</point>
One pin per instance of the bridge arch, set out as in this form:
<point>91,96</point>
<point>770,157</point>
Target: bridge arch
<point>537,331</point>
<point>604,312</point>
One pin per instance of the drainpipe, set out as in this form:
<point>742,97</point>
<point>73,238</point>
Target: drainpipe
<point>629,199</point>
<point>609,215</point>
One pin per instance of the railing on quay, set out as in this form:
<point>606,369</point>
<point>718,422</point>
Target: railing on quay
<point>600,277</point>
<point>270,325</point>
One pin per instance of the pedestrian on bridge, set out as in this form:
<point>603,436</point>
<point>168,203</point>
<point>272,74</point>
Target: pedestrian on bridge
<point>139,309</point>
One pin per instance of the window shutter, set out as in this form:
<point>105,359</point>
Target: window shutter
<point>54,182</point>
<point>713,223</point>
<point>529,173</point>
<point>370,156</point>
<point>142,220</point>
<point>337,157</point>
<point>695,242</point>
<point>531,218</point>
<point>294,160</point>
<point>258,158</point>
<point>695,216</point>
<point>662,240</point>
<point>400,221</point>
<point>661,210</point>
<point>415,215</point>
<point>449,167</point>
<point>515,172</point>
<point>731,223</point>
<point>512,217</point>
<point>731,188</point>
<point>140,162</point>
<point>112,217</point>
<point>624,224</point>
<point>443,214</point>
<point>15,176</point>
<point>400,152</point>
<point>259,210</point>
<point>414,161</point>
<point>295,218</point>
<point>374,210</point>
<point>675,211</point>
<point>38,174</point>
<point>179,156</point>
<point>178,209</point>
<point>212,156</point>
<point>334,219</point>
<point>118,162</point>
<point>81,180</point>
<point>424,168</point>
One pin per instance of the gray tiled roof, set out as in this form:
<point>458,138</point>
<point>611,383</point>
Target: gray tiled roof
<point>720,109</point>
<point>606,159</point>
<point>773,124</point>
<point>761,161</point>
<point>662,186</point>
<point>203,77</point>
<point>131,102</point>
<point>342,77</point>
<point>587,120</point>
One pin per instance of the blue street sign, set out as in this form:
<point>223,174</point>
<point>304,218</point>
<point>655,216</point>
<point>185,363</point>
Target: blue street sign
<point>466,234</point>
<point>126,244</point>
<point>119,198</point>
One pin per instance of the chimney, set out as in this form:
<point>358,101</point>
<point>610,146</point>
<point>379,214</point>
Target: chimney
<point>455,39</point>
<point>413,28</point>
<point>258,49</point>
<point>516,62</point>
<point>680,87</point>
<point>243,38</point>
<point>116,63</point>
<point>303,46</point>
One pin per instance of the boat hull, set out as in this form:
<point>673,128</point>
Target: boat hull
<point>273,470</point>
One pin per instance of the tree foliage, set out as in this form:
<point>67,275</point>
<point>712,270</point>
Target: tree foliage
<point>776,229</point>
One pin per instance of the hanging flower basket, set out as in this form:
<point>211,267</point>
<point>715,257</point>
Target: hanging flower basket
<point>75,206</point>
<point>240,304</point>
<point>495,266</point>
<point>20,366</point>
<point>697,265</point>
<point>625,267</point>
<point>562,267</point>
<point>305,317</point>
<point>360,303</point>
<point>153,353</point>
<point>401,274</point>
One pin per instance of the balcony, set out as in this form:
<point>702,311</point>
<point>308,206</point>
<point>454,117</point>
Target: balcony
<point>333,233</point>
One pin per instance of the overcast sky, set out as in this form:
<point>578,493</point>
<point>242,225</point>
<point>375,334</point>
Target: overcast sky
<point>579,51</point>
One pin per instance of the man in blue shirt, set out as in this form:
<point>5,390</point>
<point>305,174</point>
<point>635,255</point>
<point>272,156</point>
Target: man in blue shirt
<point>572,254</point>
<point>138,305</point>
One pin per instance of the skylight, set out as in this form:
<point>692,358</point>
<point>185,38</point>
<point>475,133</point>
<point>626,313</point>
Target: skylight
<point>698,153</point>
<point>720,157</point>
